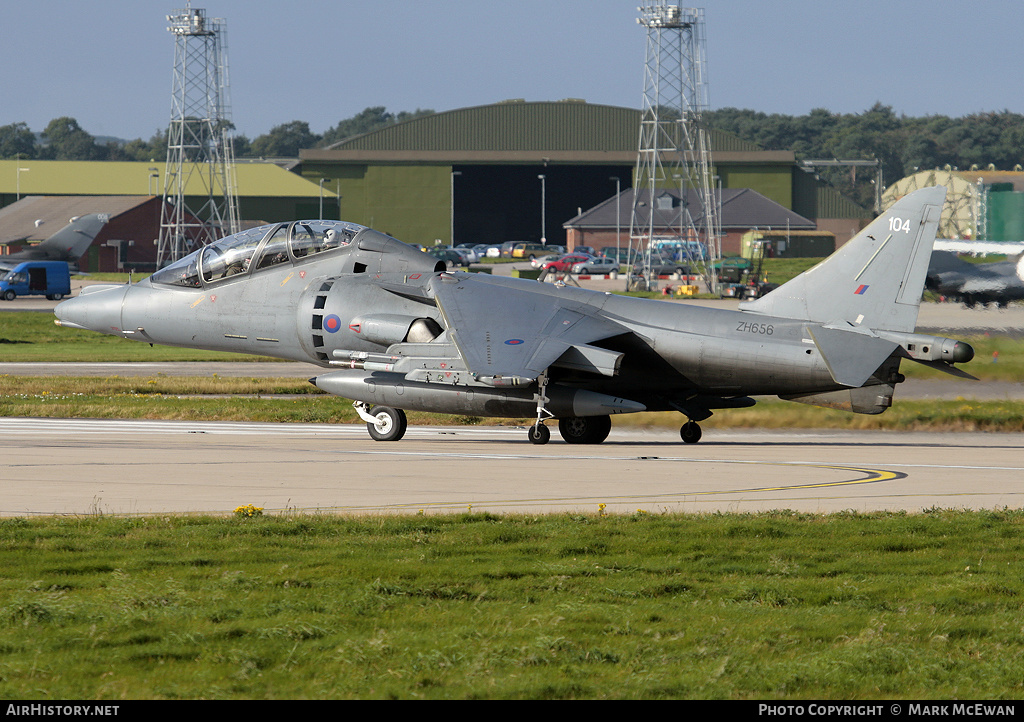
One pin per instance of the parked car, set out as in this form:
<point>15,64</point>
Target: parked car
<point>661,266</point>
<point>467,254</point>
<point>481,250</point>
<point>470,251</point>
<point>529,250</point>
<point>600,264</point>
<point>450,256</point>
<point>566,262</point>
<point>624,253</point>
<point>539,261</point>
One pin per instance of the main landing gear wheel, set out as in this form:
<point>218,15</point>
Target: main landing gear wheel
<point>585,429</point>
<point>539,434</point>
<point>690,432</point>
<point>390,424</point>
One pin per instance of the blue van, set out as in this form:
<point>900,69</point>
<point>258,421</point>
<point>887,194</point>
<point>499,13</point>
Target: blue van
<point>36,278</point>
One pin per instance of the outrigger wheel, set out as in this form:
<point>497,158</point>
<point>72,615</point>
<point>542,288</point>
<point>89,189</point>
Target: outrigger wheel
<point>389,425</point>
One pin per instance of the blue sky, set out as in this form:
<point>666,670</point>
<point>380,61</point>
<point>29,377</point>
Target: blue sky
<point>108,63</point>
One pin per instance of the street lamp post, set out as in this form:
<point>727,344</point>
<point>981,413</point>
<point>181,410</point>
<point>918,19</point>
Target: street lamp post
<point>451,215</point>
<point>322,181</point>
<point>543,208</point>
<point>20,171</point>
<point>618,219</point>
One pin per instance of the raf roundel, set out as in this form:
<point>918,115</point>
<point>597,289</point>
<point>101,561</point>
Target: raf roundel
<point>514,341</point>
<point>332,324</point>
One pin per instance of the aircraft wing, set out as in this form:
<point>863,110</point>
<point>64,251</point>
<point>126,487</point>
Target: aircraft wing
<point>509,335</point>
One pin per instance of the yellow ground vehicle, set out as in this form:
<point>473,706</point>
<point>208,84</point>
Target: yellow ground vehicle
<point>529,250</point>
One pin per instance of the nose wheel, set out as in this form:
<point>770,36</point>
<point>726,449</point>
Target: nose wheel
<point>690,432</point>
<point>540,434</point>
<point>383,422</point>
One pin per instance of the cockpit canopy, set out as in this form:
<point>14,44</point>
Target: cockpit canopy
<point>263,247</point>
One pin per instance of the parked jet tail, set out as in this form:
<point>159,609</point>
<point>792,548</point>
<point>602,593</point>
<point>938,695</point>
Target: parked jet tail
<point>874,281</point>
<point>68,244</point>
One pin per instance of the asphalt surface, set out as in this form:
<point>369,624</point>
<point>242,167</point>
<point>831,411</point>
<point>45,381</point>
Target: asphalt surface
<point>55,466</point>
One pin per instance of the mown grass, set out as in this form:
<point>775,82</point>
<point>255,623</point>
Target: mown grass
<point>154,385</point>
<point>287,400</point>
<point>184,398</point>
<point>756,606</point>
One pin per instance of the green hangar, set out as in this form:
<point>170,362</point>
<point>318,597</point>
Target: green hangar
<point>519,170</point>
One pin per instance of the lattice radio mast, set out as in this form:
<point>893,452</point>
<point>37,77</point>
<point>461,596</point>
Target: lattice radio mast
<point>675,150</point>
<point>200,155</point>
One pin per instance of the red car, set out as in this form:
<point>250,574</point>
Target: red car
<point>566,262</point>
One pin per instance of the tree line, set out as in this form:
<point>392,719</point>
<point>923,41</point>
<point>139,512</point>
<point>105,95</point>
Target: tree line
<point>64,139</point>
<point>902,144</point>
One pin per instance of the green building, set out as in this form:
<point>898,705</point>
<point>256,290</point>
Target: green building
<point>475,173</point>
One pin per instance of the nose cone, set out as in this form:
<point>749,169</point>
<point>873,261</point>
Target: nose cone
<point>962,352</point>
<point>97,308</point>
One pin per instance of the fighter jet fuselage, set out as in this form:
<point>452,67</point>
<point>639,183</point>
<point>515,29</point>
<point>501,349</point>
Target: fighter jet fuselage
<point>399,332</point>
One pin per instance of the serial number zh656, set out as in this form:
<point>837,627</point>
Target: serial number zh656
<point>751,327</point>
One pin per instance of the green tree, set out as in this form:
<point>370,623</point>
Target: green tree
<point>153,151</point>
<point>903,145</point>
<point>367,121</point>
<point>17,141</point>
<point>65,140</point>
<point>284,141</point>
<point>242,146</point>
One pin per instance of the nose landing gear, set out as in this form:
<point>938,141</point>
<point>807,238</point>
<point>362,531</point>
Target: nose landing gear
<point>539,433</point>
<point>690,432</point>
<point>383,422</point>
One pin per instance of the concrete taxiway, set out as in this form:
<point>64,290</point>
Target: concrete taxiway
<point>82,466</point>
<point>58,466</point>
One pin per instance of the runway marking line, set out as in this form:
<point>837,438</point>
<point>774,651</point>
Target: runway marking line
<point>871,476</point>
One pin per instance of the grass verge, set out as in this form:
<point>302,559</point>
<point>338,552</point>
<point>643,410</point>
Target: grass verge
<point>761,606</point>
<point>257,399</point>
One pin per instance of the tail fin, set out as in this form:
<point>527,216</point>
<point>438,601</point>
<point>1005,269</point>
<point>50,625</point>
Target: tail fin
<point>875,280</point>
<point>73,240</point>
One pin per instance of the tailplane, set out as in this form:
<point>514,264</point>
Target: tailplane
<point>73,240</point>
<point>875,280</point>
